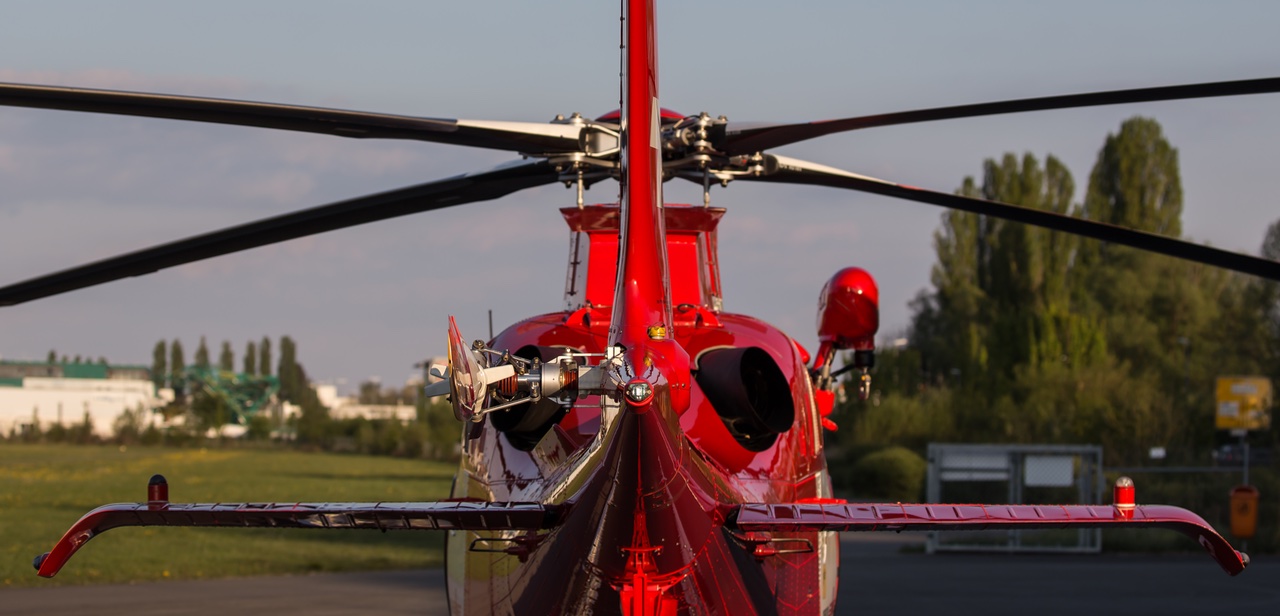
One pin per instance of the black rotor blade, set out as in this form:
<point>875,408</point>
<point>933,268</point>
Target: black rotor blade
<point>526,137</point>
<point>792,171</point>
<point>751,138</point>
<point>439,194</point>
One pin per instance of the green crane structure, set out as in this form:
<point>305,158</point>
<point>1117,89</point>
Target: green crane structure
<point>242,394</point>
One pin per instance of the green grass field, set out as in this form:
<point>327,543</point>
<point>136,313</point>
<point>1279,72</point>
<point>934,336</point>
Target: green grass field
<point>44,489</point>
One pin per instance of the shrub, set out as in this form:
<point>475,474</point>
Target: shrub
<point>895,473</point>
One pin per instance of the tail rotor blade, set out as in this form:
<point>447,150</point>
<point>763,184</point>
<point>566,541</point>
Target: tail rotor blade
<point>466,378</point>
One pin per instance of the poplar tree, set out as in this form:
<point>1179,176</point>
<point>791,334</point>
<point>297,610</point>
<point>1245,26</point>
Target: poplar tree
<point>159,364</point>
<point>1135,182</point>
<point>226,358</point>
<point>251,359</point>
<point>290,385</point>
<point>264,356</point>
<point>177,366</point>
<point>202,354</point>
<point>1002,290</point>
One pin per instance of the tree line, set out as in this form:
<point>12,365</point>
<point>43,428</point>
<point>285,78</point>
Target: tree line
<point>1029,335</point>
<point>433,432</point>
<point>52,358</point>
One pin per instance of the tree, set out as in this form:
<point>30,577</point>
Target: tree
<point>52,358</point>
<point>1269,302</point>
<point>1044,336</point>
<point>1135,182</point>
<point>226,358</point>
<point>159,365</point>
<point>1253,321</point>
<point>202,354</point>
<point>313,422</point>
<point>1001,296</point>
<point>291,384</point>
<point>1271,243</point>
<point>210,410</point>
<point>250,359</point>
<point>177,364</point>
<point>264,356</point>
<point>370,392</point>
<point>1164,317</point>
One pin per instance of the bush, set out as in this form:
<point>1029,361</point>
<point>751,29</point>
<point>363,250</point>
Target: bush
<point>128,425</point>
<point>259,427</point>
<point>895,473</point>
<point>152,436</point>
<point>911,421</point>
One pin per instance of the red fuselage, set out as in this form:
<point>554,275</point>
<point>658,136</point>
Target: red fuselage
<point>661,480</point>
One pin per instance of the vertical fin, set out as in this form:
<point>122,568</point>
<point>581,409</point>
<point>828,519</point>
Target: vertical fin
<point>642,297</point>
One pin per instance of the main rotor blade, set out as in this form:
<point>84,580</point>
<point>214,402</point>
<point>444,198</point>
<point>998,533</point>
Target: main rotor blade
<point>528,137</point>
<point>439,194</point>
<point>792,171</point>
<point>749,138</point>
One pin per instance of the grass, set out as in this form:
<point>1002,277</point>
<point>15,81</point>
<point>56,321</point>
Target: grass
<point>46,488</point>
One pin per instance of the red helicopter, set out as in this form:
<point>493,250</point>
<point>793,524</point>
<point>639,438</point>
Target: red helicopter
<point>643,451</point>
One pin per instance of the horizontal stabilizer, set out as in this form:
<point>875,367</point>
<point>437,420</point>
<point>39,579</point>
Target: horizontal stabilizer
<point>438,515</point>
<point>793,517</point>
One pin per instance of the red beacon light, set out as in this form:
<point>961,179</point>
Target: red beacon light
<point>848,312</point>
<point>157,493</point>
<point>848,318</point>
<point>1124,498</point>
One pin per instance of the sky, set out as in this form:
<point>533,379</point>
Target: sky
<point>373,300</point>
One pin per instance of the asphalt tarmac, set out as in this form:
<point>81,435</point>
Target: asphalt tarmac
<point>877,576</point>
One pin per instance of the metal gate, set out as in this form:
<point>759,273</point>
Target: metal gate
<point>1016,475</point>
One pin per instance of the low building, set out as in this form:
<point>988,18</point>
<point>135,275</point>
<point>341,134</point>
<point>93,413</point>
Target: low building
<point>352,410</point>
<point>40,394</point>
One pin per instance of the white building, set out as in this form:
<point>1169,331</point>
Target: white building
<point>349,407</point>
<point>43,394</point>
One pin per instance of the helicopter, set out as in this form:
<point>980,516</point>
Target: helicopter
<point>360,311</point>
<point>669,450</point>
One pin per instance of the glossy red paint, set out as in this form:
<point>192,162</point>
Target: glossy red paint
<point>690,243</point>
<point>849,310</point>
<point>1124,498</point>
<point>641,297</point>
<point>666,115</point>
<point>157,492</point>
<point>900,517</point>
<point>689,472</point>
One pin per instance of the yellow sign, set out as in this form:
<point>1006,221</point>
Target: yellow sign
<point>1244,403</point>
